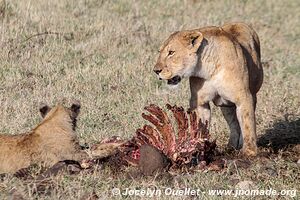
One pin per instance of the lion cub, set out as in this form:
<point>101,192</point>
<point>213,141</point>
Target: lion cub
<point>223,65</point>
<point>52,140</point>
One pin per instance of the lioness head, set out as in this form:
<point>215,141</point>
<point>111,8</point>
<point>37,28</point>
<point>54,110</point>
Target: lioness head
<point>178,56</point>
<point>71,112</point>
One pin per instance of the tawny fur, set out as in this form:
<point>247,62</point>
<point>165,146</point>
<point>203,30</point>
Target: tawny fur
<point>224,66</point>
<point>50,141</point>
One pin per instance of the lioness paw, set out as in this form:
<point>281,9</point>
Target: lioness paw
<point>249,152</point>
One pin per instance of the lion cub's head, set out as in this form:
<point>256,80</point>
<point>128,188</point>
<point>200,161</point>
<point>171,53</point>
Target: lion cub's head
<point>178,56</point>
<point>61,113</point>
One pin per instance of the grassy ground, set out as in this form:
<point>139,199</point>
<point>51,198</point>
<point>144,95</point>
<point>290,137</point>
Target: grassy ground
<point>102,53</point>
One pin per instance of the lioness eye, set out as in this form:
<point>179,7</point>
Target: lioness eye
<point>171,53</point>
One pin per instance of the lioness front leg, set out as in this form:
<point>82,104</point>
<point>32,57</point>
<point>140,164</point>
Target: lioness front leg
<point>246,118</point>
<point>202,111</point>
<point>200,97</point>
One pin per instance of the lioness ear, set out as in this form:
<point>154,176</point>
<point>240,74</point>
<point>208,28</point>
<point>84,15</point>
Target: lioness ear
<point>194,40</point>
<point>75,108</point>
<point>44,109</point>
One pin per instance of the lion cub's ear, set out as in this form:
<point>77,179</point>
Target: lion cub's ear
<point>193,40</point>
<point>44,109</point>
<point>75,109</point>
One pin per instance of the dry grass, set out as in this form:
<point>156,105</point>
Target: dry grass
<point>102,53</point>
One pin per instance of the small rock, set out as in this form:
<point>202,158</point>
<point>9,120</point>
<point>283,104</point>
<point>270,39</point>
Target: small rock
<point>246,185</point>
<point>298,162</point>
<point>234,181</point>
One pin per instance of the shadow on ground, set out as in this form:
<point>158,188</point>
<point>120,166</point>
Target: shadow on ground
<point>282,135</point>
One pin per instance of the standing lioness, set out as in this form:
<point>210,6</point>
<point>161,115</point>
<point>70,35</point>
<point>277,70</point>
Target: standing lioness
<point>223,65</point>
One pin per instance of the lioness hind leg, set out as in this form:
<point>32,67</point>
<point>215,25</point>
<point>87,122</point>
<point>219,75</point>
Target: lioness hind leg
<point>246,118</point>
<point>79,155</point>
<point>235,138</point>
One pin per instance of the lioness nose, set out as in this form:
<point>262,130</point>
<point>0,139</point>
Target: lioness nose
<point>157,71</point>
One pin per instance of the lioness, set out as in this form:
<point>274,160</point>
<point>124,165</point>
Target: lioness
<point>52,140</point>
<point>223,65</point>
